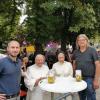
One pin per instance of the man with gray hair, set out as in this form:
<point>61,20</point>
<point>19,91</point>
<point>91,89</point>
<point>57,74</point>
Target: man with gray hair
<point>85,58</point>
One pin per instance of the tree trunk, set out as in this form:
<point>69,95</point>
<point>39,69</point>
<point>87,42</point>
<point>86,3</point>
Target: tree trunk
<point>65,36</point>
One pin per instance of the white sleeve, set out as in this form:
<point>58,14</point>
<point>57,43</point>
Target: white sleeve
<point>29,80</point>
<point>71,69</point>
<point>23,73</point>
<point>53,67</point>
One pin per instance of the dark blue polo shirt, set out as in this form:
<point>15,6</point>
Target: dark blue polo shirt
<point>10,75</point>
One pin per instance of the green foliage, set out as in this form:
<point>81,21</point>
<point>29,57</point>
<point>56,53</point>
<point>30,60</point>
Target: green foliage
<point>9,17</point>
<point>46,19</point>
<point>49,19</point>
<point>84,17</point>
<point>53,5</point>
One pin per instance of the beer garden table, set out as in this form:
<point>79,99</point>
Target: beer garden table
<point>62,85</point>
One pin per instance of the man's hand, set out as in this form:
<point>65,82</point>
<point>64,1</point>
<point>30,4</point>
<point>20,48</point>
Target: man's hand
<point>2,97</point>
<point>96,83</point>
<point>37,81</point>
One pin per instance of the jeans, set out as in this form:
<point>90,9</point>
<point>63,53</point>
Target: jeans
<point>89,93</point>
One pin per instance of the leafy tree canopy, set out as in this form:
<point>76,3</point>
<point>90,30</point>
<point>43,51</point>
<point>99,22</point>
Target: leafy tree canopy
<point>50,19</point>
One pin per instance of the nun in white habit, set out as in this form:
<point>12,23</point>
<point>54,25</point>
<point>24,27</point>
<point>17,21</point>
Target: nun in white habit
<point>34,74</point>
<point>62,67</point>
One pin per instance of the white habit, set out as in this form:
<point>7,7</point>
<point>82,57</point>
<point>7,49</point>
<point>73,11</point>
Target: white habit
<point>63,69</point>
<point>33,73</point>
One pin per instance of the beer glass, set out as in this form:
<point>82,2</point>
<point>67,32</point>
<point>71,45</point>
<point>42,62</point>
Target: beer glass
<point>78,75</point>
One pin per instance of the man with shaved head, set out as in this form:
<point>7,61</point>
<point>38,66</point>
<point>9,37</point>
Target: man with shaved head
<point>35,73</point>
<point>10,73</point>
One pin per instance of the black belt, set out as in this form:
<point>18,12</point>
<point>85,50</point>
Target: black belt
<point>11,96</point>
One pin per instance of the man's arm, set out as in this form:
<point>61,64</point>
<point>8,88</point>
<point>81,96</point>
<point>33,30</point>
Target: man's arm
<point>97,74</point>
<point>2,97</point>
